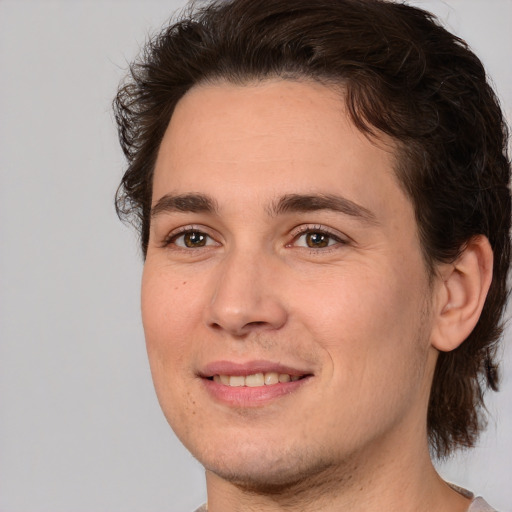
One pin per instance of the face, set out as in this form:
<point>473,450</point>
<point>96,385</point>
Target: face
<point>284,298</point>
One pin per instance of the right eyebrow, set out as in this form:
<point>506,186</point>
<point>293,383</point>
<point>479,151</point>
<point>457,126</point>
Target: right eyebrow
<point>192,202</point>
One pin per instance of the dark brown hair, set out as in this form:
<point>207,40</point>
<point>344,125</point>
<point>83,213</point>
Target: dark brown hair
<point>403,75</point>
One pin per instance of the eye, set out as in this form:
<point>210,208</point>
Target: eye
<point>316,239</point>
<point>190,239</point>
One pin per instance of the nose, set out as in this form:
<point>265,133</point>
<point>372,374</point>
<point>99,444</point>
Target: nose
<point>246,296</point>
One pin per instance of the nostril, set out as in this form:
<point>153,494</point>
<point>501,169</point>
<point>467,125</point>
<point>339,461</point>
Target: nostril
<point>257,324</point>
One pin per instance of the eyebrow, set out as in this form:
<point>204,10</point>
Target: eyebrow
<point>314,202</point>
<point>195,203</point>
<point>201,203</point>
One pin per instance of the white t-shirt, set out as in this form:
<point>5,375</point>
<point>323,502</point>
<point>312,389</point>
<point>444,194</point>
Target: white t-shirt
<point>480,505</point>
<point>477,505</point>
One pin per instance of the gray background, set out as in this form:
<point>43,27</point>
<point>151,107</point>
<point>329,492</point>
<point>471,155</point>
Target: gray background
<point>80,427</point>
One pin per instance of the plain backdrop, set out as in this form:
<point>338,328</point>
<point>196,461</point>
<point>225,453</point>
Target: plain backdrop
<point>80,427</point>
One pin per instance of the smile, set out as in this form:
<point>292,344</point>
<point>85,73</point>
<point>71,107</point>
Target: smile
<point>252,383</point>
<point>255,380</point>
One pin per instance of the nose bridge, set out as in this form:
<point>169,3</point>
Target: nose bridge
<point>244,297</point>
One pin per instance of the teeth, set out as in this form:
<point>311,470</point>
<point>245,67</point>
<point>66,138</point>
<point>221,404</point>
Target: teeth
<point>255,380</point>
<point>271,378</point>
<point>237,381</point>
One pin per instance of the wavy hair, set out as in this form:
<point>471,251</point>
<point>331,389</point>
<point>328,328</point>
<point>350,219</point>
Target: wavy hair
<point>403,75</point>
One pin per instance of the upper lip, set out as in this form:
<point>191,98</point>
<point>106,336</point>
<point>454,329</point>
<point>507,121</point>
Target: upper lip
<point>249,368</point>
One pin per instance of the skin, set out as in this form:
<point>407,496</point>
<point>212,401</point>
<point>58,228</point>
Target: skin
<point>356,311</point>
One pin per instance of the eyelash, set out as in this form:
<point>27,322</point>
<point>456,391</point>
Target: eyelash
<point>296,234</point>
<point>320,230</point>
<point>182,232</point>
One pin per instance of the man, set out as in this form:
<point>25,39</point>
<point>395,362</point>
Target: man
<point>322,194</point>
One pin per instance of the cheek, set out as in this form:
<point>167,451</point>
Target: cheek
<point>369,331</point>
<point>367,322</point>
<point>168,308</point>
<point>169,311</point>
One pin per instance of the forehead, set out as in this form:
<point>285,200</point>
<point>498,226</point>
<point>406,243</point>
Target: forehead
<point>271,137</point>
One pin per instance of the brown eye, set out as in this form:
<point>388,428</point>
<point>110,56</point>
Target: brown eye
<point>194,239</point>
<point>317,240</point>
<point>191,240</point>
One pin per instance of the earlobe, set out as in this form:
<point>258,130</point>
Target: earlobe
<point>461,293</point>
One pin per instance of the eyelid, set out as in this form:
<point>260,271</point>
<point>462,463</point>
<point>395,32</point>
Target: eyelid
<point>304,229</point>
<point>182,230</point>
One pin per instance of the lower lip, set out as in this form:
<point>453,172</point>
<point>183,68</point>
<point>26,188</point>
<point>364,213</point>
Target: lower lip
<point>245,396</point>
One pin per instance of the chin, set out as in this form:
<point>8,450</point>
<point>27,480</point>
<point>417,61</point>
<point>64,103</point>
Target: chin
<point>266,471</point>
<point>272,483</point>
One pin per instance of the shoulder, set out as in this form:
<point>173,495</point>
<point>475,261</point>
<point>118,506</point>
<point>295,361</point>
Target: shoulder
<point>203,508</point>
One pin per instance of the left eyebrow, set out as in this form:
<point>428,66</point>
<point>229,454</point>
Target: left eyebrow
<point>314,202</point>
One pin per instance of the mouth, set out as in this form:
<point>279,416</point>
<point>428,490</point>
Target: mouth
<point>252,384</point>
<point>256,379</point>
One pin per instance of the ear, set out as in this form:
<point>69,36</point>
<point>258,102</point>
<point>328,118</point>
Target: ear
<point>460,295</point>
